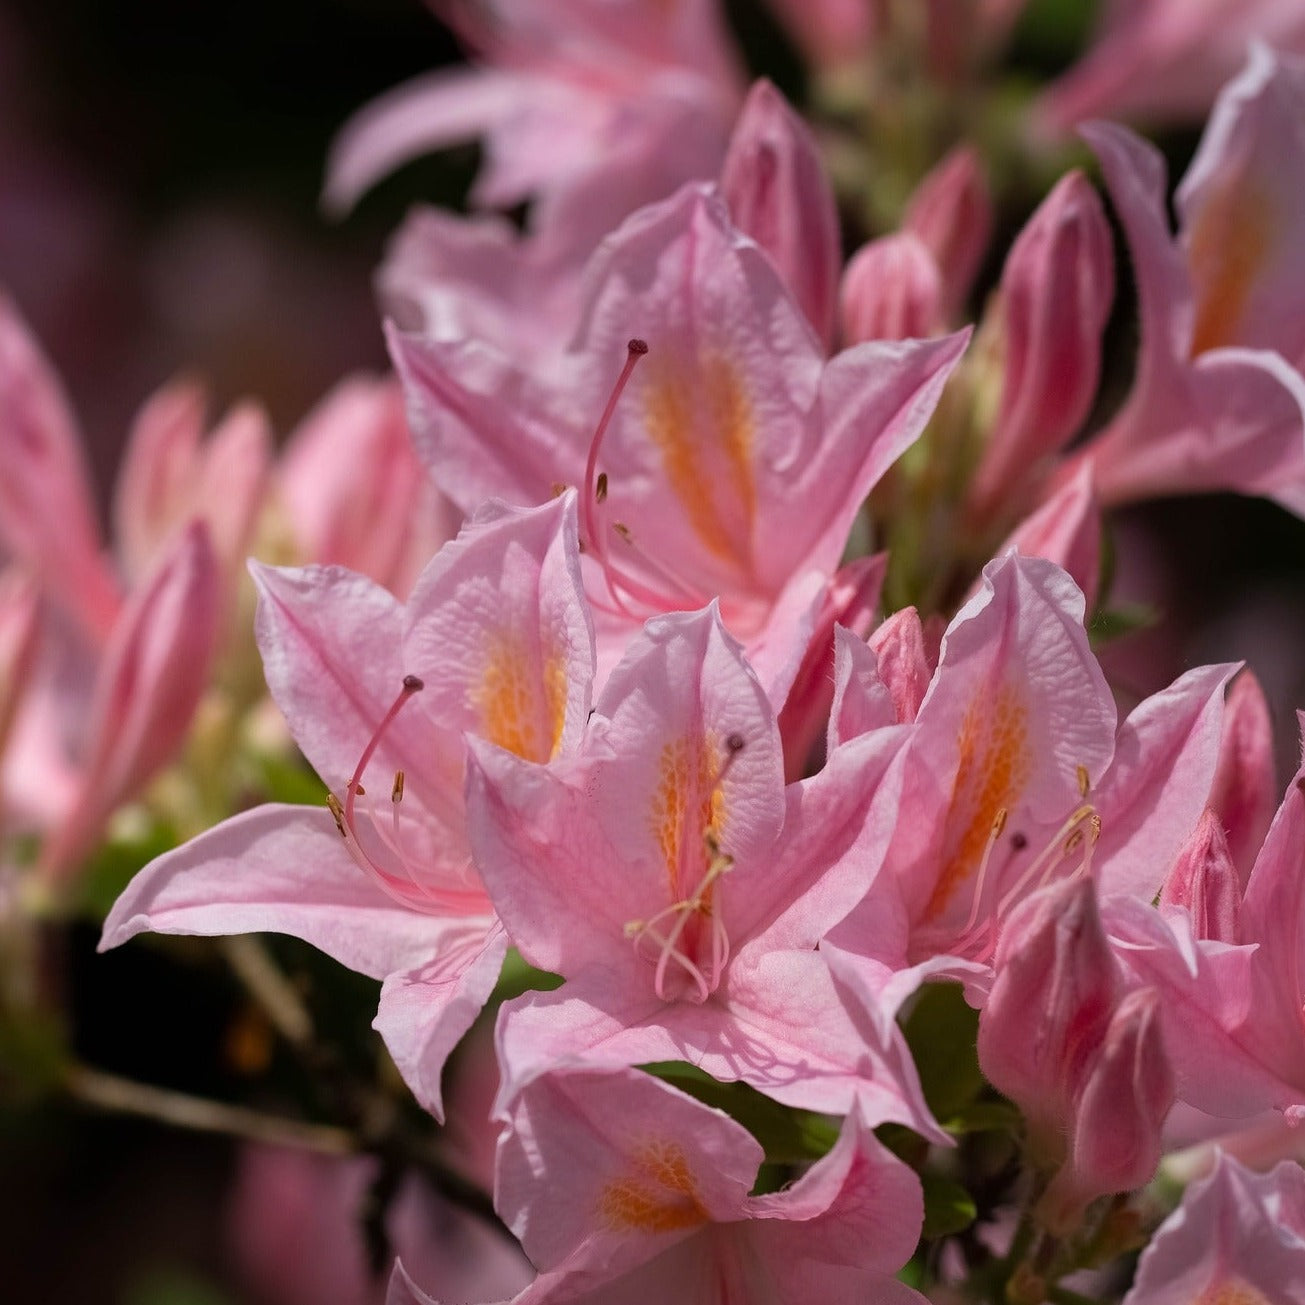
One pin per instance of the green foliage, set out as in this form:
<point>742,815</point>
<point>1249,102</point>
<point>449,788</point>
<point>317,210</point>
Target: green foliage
<point>948,1207</point>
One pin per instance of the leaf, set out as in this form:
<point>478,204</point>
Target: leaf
<point>942,1030</point>
<point>948,1207</point>
<point>985,1117</point>
<point>788,1136</point>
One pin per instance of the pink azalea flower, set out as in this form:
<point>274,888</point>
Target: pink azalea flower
<point>1219,400</point>
<point>703,884</point>
<point>1231,977</point>
<point>1238,1238</point>
<point>591,109</point>
<point>495,639</point>
<point>735,461</point>
<point>1164,60</point>
<point>619,1186</point>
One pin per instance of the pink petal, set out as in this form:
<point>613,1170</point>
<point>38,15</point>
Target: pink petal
<point>283,870</point>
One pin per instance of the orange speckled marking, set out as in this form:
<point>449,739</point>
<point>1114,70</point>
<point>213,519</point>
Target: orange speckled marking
<point>994,767</point>
<point>521,716</point>
<point>1229,242</point>
<point>701,423</point>
<point>658,1194</point>
<point>1232,1292</point>
<point>686,803</point>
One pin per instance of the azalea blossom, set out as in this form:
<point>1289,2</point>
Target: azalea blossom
<point>495,639</point>
<point>735,460</point>
<point>680,888</point>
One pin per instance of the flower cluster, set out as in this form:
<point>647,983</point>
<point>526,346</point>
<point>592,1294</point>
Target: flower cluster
<point>842,937</point>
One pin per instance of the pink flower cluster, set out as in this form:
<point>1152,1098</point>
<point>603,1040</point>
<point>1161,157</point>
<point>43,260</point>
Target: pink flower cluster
<point>639,720</point>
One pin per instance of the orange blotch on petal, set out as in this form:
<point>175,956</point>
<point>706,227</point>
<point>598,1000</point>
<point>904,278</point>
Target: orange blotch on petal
<point>1228,245</point>
<point>700,421</point>
<point>1232,1292</point>
<point>994,767</point>
<point>657,1195</point>
<point>518,712</point>
<point>687,804</point>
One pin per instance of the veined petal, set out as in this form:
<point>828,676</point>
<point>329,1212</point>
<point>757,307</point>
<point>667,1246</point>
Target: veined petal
<point>281,869</point>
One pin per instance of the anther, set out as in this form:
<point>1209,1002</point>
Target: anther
<point>396,793</point>
<point>600,488</point>
<point>1084,780</point>
<point>337,812</point>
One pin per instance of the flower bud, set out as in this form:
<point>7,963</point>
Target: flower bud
<point>951,213</point>
<point>901,648</point>
<point>777,191</point>
<point>1056,292</point>
<point>1118,1114</point>
<point>891,291</point>
<point>1049,1009</point>
<point>1203,881</point>
<point>1244,793</point>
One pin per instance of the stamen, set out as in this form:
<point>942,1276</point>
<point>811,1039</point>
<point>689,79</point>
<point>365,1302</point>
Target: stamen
<point>1084,780</point>
<point>396,793</point>
<point>593,537</point>
<point>998,826</point>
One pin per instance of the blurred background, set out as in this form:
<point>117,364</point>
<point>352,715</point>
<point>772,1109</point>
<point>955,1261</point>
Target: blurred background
<point>160,166</point>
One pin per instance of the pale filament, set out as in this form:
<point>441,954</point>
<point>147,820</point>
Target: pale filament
<point>1081,829</point>
<point>667,945</point>
<point>620,583</point>
<point>414,894</point>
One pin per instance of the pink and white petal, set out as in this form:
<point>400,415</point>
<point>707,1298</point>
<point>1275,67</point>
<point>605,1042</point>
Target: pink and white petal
<point>424,114</point>
<point>1066,530</point>
<point>279,869</point>
<point>858,1207</point>
<point>1243,792</point>
<point>874,400</point>
<point>1225,1039</point>
<point>230,482</point>
<point>1241,224</point>
<point>425,1011</point>
<point>685,719</point>
<point>332,653</point>
<point>499,631</point>
<point>147,687</point>
<point>47,511</point>
<point>604,1169</point>
<point>1159,781</point>
<point>156,479</point>
<point>862,701</point>
<point>907,657</point>
<point>486,428</point>
<point>787,1032</point>
<point>1236,1237</point>
<point>837,828</point>
<point>561,888</point>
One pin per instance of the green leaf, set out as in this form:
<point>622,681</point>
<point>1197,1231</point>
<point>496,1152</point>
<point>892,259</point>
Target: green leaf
<point>1112,623</point>
<point>948,1207</point>
<point>941,1031</point>
<point>174,1287</point>
<point>984,1117</point>
<point>519,976</point>
<point>788,1136</point>
<point>287,779</point>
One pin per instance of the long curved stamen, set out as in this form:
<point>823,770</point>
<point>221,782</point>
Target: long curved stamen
<point>1063,843</point>
<point>998,825</point>
<point>595,488</point>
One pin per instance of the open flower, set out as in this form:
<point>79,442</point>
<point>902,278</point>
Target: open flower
<point>494,640</point>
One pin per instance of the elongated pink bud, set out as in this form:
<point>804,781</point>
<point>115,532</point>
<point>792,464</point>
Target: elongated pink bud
<point>951,212</point>
<point>1244,793</point>
<point>891,290</point>
<point>1204,882</point>
<point>902,648</point>
<point>158,472</point>
<point>1049,1008</point>
<point>1056,293</point>
<point>1118,1115</point>
<point>775,185</point>
<point>47,513</point>
<point>155,668</point>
